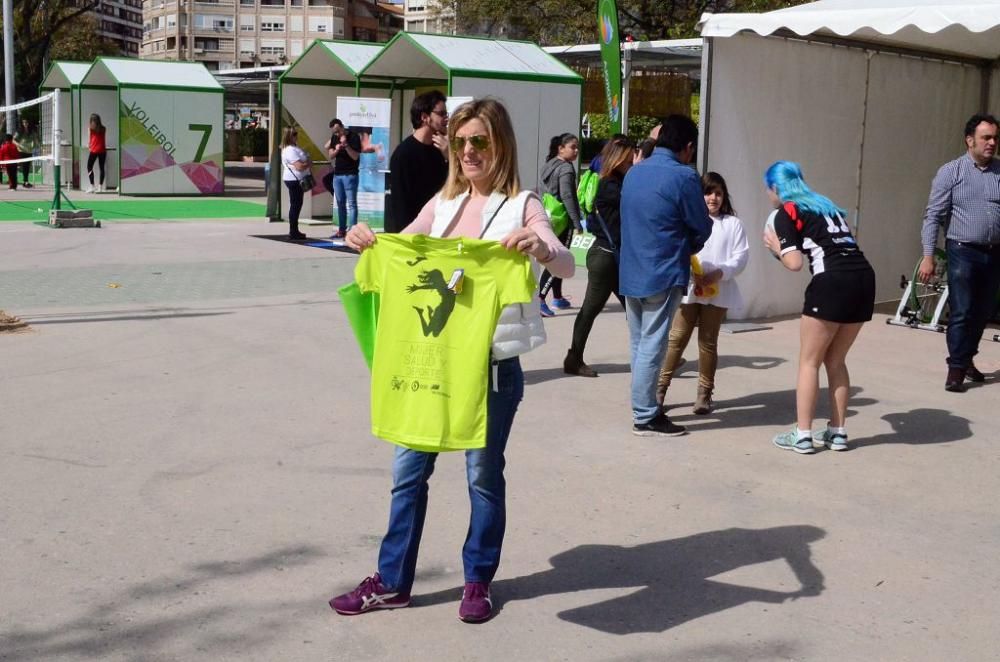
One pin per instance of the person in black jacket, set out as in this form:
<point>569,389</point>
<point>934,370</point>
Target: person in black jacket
<point>419,166</point>
<point>602,258</point>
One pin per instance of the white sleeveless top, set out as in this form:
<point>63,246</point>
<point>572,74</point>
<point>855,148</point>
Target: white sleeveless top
<point>519,329</point>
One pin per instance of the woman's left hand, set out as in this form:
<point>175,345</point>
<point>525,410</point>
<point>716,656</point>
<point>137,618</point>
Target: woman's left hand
<point>526,241</point>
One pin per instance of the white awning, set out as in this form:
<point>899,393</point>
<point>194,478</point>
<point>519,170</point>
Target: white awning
<point>965,28</point>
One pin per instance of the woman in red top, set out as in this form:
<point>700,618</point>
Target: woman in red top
<point>98,152</point>
<point>9,152</point>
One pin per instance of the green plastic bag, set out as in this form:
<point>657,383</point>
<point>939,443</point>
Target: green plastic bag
<point>556,210</point>
<point>586,192</point>
<point>362,314</point>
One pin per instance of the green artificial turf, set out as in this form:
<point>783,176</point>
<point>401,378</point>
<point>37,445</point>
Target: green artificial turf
<point>152,209</point>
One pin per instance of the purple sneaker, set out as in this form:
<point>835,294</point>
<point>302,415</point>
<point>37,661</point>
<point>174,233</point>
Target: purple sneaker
<point>476,605</point>
<point>370,594</point>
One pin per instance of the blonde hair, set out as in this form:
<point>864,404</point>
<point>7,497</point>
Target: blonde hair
<point>289,137</point>
<point>502,172</point>
<point>614,155</point>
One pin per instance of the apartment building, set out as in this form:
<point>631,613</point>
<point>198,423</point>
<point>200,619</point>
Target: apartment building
<point>121,22</point>
<point>428,16</point>
<point>231,34</point>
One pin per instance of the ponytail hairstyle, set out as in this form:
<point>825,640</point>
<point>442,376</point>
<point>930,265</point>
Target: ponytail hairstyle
<point>558,141</point>
<point>713,181</point>
<point>785,178</point>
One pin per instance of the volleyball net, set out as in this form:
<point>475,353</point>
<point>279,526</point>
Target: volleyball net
<point>34,150</point>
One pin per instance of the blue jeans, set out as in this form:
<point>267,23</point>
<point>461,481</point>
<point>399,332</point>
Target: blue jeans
<point>973,281</point>
<point>649,321</point>
<point>345,188</point>
<point>397,558</point>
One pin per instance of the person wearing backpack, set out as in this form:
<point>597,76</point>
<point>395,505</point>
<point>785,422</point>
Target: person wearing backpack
<point>559,181</point>
<point>602,258</point>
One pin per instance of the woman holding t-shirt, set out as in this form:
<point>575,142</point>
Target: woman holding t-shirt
<point>481,198</point>
<point>840,298</point>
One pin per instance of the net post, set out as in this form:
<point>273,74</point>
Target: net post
<point>56,151</point>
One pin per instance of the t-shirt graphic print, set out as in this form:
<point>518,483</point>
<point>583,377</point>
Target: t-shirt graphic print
<point>439,304</point>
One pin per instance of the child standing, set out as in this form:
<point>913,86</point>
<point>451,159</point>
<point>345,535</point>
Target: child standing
<point>721,259</point>
<point>9,152</point>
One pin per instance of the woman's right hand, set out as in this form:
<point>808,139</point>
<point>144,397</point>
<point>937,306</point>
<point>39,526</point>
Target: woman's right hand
<point>360,237</point>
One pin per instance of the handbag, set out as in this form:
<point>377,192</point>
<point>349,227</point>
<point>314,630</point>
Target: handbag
<point>558,216</point>
<point>306,182</point>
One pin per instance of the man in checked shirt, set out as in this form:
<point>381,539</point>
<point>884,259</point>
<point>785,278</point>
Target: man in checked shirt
<point>965,199</point>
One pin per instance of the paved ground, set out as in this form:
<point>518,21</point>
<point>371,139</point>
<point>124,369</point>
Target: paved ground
<point>187,475</point>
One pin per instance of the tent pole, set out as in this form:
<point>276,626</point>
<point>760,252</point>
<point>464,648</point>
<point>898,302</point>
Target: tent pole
<point>861,151</point>
<point>705,98</point>
<point>626,76</point>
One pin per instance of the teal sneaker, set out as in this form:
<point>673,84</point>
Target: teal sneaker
<point>835,442</point>
<point>790,441</point>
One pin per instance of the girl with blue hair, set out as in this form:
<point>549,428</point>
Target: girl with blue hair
<point>840,298</point>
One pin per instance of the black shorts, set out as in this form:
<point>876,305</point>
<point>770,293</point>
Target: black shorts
<point>845,297</point>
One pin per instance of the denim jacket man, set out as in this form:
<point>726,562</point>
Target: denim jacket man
<point>664,222</point>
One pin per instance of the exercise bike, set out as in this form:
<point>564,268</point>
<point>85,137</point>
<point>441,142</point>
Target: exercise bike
<point>924,306</point>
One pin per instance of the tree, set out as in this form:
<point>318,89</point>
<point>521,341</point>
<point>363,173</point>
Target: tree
<point>550,22</point>
<point>37,25</point>
<point>81,42</point>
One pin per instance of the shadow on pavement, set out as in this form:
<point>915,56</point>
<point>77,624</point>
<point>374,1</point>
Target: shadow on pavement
<point>921,426</point>
<point>548,374</point>
<point>123,318</point>
<point>112,630</point>
<point>774,408</point>
<point>671,578</point>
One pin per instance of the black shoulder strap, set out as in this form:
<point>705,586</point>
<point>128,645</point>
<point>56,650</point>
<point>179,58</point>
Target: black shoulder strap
<point>494,215</point>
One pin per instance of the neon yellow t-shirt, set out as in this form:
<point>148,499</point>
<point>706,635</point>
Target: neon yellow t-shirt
<point>432,343</point>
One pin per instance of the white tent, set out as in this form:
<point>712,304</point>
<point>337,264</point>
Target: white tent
<point>870,96</point>
<point>542,95</point>
<point>66,77</point>
<point>308,91</point>
<point>164,125</point>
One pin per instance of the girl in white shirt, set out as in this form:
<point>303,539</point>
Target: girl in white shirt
<point>294,167</point>
<point>722,259</point>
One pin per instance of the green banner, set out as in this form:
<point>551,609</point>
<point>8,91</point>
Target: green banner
<point>611,58</point>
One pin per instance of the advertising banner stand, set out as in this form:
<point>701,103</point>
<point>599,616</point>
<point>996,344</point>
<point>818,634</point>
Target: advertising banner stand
<point>164,126</point>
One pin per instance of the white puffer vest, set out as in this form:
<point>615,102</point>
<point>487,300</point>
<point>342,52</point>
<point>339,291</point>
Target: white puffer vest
<point>519,328</point>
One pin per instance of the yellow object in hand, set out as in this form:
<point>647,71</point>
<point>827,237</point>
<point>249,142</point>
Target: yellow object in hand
<point>704,291</point>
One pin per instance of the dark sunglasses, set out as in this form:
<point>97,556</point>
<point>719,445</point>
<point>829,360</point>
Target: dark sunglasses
<point>440,113</point>
<point>479,143</point>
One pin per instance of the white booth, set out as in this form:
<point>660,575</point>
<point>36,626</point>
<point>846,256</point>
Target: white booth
<point>66,77</point>
<point>308,92</point>
<point>164,125</point>
<point>870,96</point>
<point>543,96</point>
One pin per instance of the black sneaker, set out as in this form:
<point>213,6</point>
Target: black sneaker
<point>658,427</point>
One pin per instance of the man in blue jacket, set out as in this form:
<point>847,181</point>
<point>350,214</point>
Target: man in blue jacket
<point>664,222</point>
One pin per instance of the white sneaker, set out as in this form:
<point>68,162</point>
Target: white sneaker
<point>90,189</point>
<point>100,188</point>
